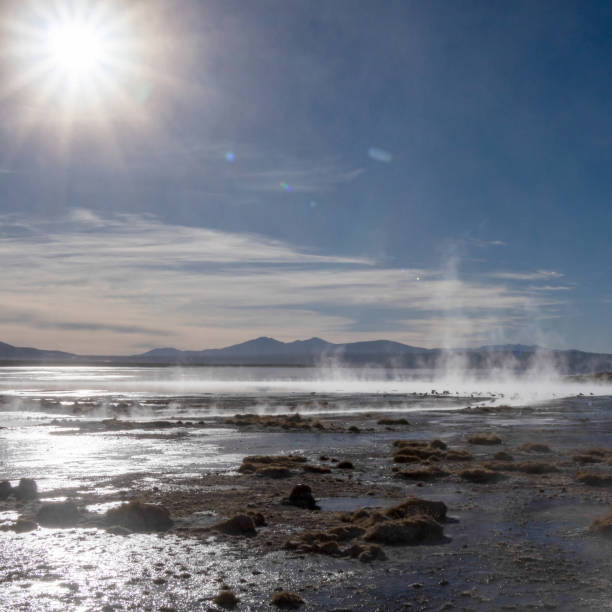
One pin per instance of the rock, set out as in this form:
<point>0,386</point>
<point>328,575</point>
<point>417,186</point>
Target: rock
<point>61,514</point>
<point>414,506</point>
<point>486,439</point>
<point>276,459</point>
<point>536,467</point>
<point>599,451</point>
<point>480,475</point>
<point>587,458</point>
<point>286,599</point>
<point>430,473</point>
<point>595,479</point>
<point>527,467</point>
<point>345,465</point>
<point>138,516</point>
<point>390,421</point>
<point>271,466</point>
<point>274,472</point>
<point>26,490</point>
<point>437,444</point>
<point>283,421</point>
<point>458,455</point>
<point>412,443</point>
<point>226,599</point>
<point>346,532</point>
<point>412,530</point>
<point>602,526</point>
<point>118,530</point>
<point>354,429</point>
<point>365,518</point>
<point>503,456</point>
<point>354,550</point>
<point>535,447</point>
<point>5,489</point>
<point>370,553</point>
<point>422,452</point>
<point>302,497</point>
<point>406,458</point>
<point>259,520</point>
<point>23,525</point>
<point>316,469</point>
<point>329,548</point>
<point>239,524</point>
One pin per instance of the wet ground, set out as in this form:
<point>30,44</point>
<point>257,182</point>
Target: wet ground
<point>521,542</point>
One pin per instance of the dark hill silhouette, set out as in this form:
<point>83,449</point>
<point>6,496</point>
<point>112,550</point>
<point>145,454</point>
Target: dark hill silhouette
<point>19,353</point>
<point>314,351</point>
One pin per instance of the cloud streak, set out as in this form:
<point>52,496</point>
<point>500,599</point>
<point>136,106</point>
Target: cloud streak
<point>96,284</point>
<point>527,276</point>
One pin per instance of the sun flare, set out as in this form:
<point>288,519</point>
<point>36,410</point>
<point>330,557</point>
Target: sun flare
<point>76,48</point>
<point>79,61</point>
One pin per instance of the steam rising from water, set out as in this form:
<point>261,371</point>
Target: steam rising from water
<point>540,383</point>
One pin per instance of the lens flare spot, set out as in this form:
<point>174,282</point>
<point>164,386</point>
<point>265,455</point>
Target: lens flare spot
<point>380,155</point>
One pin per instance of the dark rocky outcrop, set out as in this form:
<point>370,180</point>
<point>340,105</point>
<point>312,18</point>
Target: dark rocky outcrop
<point>480,475</point>
<point>226,599</point>
<point>286,599</point>
<point>414,506</point>
<point>602,526</point>
<point>485,439</point>
<point>138,516</point>
<point>408,531</point>
<point>26,490</point>
<point>595,479</point>
<point>5,489</point>
<point>61,514</point>
<point>239,524</point>
<point>301,496</point>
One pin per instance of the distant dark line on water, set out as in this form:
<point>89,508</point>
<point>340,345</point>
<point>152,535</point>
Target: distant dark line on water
<point>148,364</point>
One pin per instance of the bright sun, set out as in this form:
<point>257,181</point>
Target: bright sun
<point>79,59</point>
<point>77,49</point>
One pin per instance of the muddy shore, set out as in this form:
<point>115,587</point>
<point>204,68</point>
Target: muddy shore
<point>521,486</point>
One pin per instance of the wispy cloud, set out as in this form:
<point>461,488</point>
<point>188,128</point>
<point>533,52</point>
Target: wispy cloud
<point>486,243</point>
<point>527,276</point>
<point>96,284</point>
<point>551,287</point>
<point>52,323</point>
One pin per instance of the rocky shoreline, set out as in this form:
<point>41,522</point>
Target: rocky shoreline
<point>486,508</point>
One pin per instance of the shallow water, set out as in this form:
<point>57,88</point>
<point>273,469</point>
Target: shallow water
<point>89,569</point>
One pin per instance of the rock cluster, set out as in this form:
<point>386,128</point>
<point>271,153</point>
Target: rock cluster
<point>137,516</point>
<point>414,521</point>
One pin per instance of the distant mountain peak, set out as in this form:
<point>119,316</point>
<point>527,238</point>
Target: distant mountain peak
<point>266,351</point>
<point>312,341</point>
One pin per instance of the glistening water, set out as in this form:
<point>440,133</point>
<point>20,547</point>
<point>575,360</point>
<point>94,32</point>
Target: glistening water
<point>41,409</point>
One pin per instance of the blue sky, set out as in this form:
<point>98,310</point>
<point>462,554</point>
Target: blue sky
<point>436,173</point>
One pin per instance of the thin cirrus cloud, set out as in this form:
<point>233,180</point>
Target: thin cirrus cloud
<point>527,276</point>
<point>487,243</point>
<point>94,284</point>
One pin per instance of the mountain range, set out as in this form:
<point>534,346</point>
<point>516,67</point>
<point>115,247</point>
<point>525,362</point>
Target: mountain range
<point>385,353</point>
